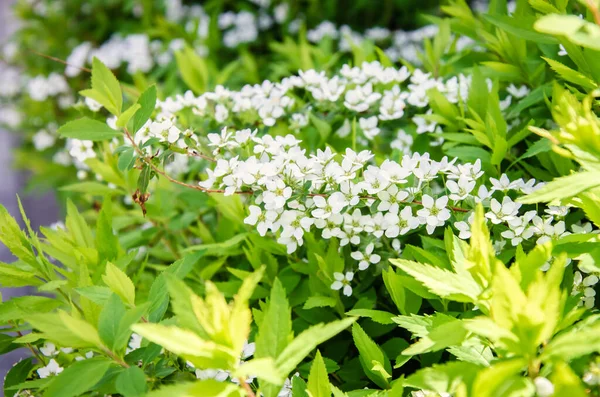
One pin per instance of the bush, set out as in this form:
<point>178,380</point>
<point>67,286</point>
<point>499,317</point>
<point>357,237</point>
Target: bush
<point>357,228</point>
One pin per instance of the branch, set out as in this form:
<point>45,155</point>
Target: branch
<point>60,61</point>
<point>202,189</point>
<point>594,10</point>
<point>247,388</point>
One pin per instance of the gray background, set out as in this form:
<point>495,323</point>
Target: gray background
<point>41,209</point>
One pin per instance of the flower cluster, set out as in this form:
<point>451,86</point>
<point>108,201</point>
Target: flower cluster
<point>359,203</point>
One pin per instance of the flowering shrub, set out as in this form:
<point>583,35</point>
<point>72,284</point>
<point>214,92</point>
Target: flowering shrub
<point>363,230</point>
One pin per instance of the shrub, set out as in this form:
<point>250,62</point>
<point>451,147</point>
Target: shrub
<point>431,228</point>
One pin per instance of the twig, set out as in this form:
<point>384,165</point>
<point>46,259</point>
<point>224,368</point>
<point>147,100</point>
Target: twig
<point>202,156</point>
<point>202,189</point>
<point>60,61</point>
<point>30,346</point>
<point>594,10</point>
<point>115,358</point>
<point>247,387</point>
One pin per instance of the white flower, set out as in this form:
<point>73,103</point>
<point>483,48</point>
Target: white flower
<point>221,141</point>
<point>216,374</point>
<point>399,224</point>
<point>248,350</point>
<point>543,387</point>
<point>277,194</point>
<point>369,126</point>
<point>519,92</point>
<point>434,212</point>
<point>343,281</point>
<point>366,258</point>
<point>48,349</point>
<point>81,150</point>
<point>43,140</point>
<point>391,199</point>
<point>502,212</point>
<point>93,105</point>
<point>263,220</point>
<point>504,184</point>
<point>286,390</point>
<point>332,205</point>
<point>51,369</point>
<point>557,210</point>
<point>460,190</point>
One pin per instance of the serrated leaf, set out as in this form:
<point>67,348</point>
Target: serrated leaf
<point>571,75</point>
<point>147,102</point>
<point>78,378</point>
<point>370,352</point>
<point>319,301</point>
<point>108,322</point>
<point>318,381</point>
<point>106,84</point>
<point>308,340</point>
<point>88,129</point>
<point>563,187</point>
<point>119,283</point>
<point>458,287</point>
<point>380,316</point>
<point>275,330</point>
<point>131,382</point>
<point>124,118</point>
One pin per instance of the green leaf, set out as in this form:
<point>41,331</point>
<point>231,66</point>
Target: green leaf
<point>119,283</point>
<point>78,378</point>
<point>264,369</point>
<point>521,27</point>
<point>203,353</point>
<point>108,322</point>
<point>563,187</point>
<point>318,381</point>
<point>106,241</point>
<point>566,382</point>
<point>275,330</point>
<point>24,306</point>
<point>496,379</point>
<point>106,85</point>
<point>126,159</point>
<point>304,343</point>
<point>437,332</point>
<point>96,294</point>
<point>319,301</point>
<point>147,102</point>
<point>193,69</point>
<point>81,328</point>
<point>92,188</point>
<point>88,129</point>
<point>442,378</point>
<point>571,75</point>
<point>573,343</point>
<point>204,388</point>
<point>458,287</point>
<point>127,115</point>
<point>380,316</point>
<point>17,374</point>
<point>299,387</point>
<point>370,352</point>
<point>131,382</point>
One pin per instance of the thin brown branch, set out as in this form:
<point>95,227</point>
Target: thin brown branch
<point>171,179</point>
<point>594,10</point>
<point>115,358</point>
<point>30,346</point>
<point>200,188</point>
<point>202,156</point>
<point>247,388</point>
<point>60,61</point>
